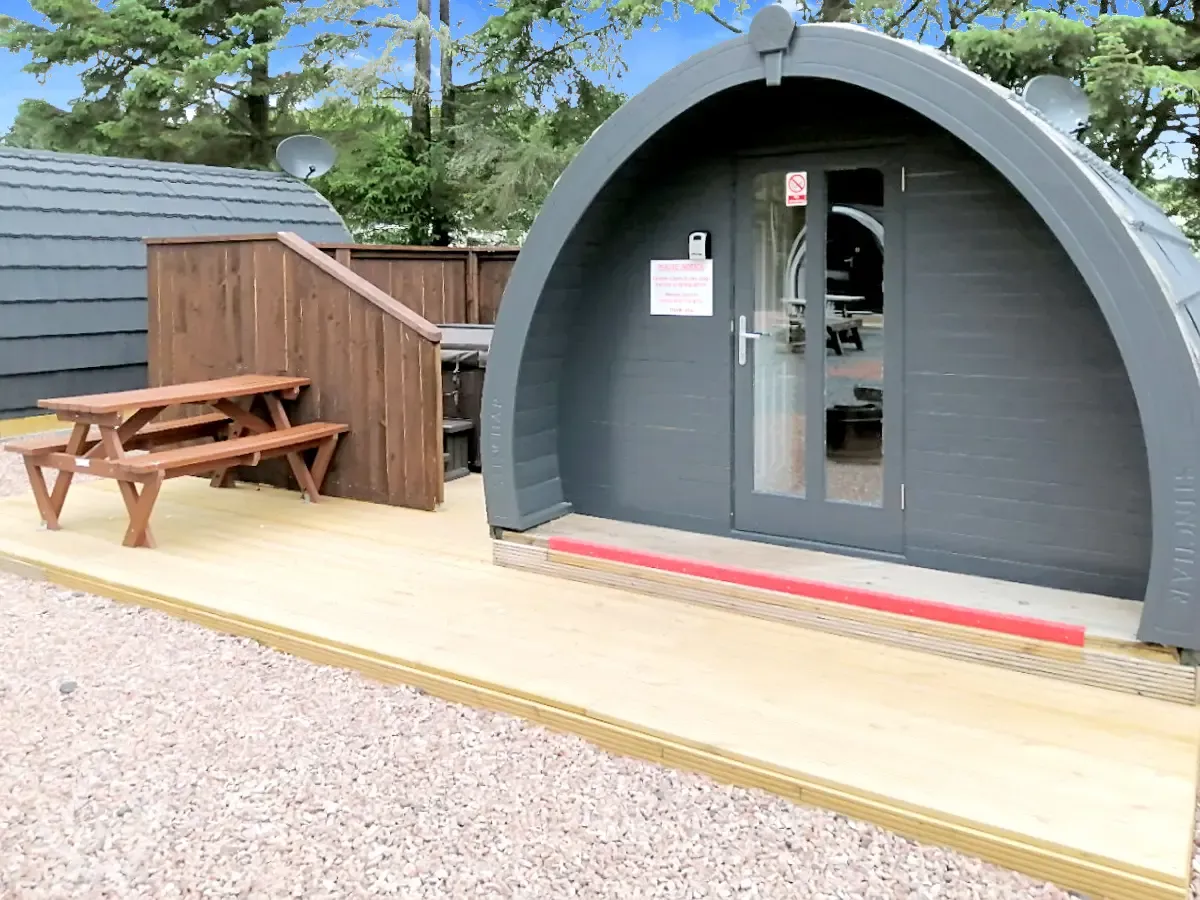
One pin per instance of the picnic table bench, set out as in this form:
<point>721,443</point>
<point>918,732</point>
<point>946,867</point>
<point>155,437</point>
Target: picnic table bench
<point>108,426</point>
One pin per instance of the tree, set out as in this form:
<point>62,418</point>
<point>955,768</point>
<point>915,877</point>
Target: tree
<point>352,25</point>
<point>1140,73</point>
<point>547,48</point>
<point>509,153</point>
<point>422,128</point>
<point>386,193</point>
<point>446,71</point>
<point>1178,197</point>
<point>181,80</point>
<point>1142,77</point>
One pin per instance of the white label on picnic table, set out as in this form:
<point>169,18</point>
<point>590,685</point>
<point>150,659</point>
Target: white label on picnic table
<point>681,287</point>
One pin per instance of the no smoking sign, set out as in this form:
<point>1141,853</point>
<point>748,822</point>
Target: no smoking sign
<point>797,189</point>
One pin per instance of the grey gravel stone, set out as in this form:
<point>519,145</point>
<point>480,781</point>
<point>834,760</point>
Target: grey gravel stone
<point>67,687</point>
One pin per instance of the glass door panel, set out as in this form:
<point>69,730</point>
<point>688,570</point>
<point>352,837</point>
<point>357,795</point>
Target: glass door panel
<point>855,246</point>
<point>814,362</point>
<point>779,396</point>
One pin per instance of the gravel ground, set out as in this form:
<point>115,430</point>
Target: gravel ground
<point>141,756</point>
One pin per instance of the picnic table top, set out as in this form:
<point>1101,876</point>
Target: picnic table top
<point>174,394</point>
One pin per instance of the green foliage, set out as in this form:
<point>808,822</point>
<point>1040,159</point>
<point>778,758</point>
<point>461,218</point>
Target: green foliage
<point>185,80</point>
<point>509,154</point>
<point>384,191</point>
<point>547,48</point>
<point>341,46</point>
<point>1178,196</point>
<point>488,180</point>
<point>511,132</point>
<point>1139,72</point>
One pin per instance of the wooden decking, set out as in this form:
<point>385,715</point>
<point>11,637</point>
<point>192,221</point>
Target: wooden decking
<point>1092,789</point>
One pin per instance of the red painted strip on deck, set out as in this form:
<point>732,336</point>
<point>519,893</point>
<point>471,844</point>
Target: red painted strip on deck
<point>1020,626</point>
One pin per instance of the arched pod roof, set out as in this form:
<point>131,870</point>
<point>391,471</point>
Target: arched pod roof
<point>1136,262</point>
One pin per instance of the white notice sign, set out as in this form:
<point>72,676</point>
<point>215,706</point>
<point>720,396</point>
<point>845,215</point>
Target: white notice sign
<point>797,189</point>
<point>681,287</point>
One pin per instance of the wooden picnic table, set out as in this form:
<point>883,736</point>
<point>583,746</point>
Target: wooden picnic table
<point>839,328</point>
<point>108,426</point>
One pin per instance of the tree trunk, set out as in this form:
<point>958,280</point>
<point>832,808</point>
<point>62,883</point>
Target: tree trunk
<point>258,106</point>
<point>423,61</point>
<point>446,51</point>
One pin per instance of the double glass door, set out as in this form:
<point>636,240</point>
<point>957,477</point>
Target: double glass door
<point>818,388</point>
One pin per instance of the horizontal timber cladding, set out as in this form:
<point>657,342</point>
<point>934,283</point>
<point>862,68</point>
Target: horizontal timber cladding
<point>446,285</point>
<point>1025,455</point>
<point>261,304</point>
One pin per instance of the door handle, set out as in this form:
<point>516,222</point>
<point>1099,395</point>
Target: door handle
<point>743,336</point>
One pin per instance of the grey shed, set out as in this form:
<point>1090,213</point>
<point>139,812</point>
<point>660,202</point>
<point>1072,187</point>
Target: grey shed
<point>1036,386</point>
<point>73,265</point>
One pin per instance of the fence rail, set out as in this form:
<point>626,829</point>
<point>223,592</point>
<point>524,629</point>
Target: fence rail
<point>446,285</point>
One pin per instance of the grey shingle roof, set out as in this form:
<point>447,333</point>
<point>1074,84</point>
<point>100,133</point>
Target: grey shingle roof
<point>63,212</point>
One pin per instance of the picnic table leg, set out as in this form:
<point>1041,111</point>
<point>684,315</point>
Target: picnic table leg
<point>320,466</point>
<point>62,481</point>
<point>305,478</point>
<point>110,440</point>
<point>223,478</point>
<point>41,494</point>
<point>140,507</point>
<point>243,420</point>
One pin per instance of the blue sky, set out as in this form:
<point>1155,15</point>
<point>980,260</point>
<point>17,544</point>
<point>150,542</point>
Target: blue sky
<point>58,89</point>
<point>649,54</point>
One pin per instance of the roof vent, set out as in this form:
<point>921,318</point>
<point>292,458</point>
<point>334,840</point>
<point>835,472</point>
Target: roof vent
<point>770,35</point>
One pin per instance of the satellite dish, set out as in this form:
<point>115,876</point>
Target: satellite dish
<point>305,156</point>
<point>1060,100</point>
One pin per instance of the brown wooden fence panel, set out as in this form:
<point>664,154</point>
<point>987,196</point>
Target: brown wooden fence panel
<point>494,270</point>
<point>446,285</point>
<point>276,305</point>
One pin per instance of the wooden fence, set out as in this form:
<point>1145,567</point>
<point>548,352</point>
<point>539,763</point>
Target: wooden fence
<point>446,285</point>
<point>276,304</point>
